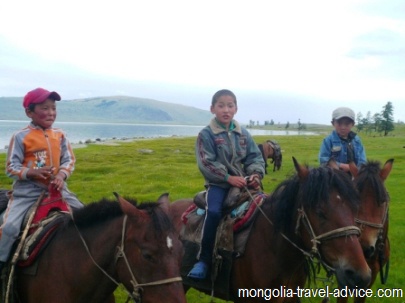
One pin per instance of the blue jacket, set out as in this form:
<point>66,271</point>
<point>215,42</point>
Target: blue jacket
<point>336,147</point>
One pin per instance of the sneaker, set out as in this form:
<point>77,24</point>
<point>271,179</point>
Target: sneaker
<point>199,271</point>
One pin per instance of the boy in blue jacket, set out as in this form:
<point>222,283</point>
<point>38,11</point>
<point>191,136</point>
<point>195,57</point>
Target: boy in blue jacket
<point>343,144</point>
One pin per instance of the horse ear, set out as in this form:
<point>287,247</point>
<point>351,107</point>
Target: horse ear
<point>353,169</point>
<point>386,169</point>
<point>164,202</point>
<point>127,208</point>
<point>302,171</point>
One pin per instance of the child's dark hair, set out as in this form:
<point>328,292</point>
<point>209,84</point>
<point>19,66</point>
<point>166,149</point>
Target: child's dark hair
<point>220,93</point>
<point>31,107</point>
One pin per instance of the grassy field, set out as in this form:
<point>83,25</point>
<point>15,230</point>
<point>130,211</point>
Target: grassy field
<point>144,169</point>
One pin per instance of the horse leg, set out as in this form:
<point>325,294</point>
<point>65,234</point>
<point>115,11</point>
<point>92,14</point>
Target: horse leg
<point>338,300</point>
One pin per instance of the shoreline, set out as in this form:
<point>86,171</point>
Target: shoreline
<point>108,142</point>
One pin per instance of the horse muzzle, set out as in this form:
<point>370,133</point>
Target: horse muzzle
<point>352,278</point>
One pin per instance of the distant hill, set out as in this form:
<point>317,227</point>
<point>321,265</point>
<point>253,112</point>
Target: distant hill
<point>113,109</point>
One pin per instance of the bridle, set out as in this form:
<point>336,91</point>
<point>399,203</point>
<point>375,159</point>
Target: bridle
<point>380,243</point>
<point>136,294</point>
<point>316,240</point>
<point>379,226</point>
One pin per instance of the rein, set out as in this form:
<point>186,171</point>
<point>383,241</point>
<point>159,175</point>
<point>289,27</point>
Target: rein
<point>136,295</point>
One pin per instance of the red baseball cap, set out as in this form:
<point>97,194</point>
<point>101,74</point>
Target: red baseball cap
<point>39,95</point>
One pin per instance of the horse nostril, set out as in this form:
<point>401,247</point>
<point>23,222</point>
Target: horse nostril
<point>369,251</point>
<point>355,279</point>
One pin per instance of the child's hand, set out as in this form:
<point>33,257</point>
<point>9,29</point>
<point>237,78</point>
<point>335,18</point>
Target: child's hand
<point>344,167</point>
<point>59,181</point>
<point>237,181</point>
<point>44,172</point>
<point>254,182</point>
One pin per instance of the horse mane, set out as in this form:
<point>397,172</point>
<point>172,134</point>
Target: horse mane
<point>105,210</point>
<point>310,194</point>
<point>369,175</point>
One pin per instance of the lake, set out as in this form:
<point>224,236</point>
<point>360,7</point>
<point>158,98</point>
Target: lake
<point>81,131</point>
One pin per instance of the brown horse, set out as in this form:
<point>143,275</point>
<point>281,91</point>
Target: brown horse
<point>372,218</point>
<point>309,215</point>
<point>271,150</point>
<point>104,245</point>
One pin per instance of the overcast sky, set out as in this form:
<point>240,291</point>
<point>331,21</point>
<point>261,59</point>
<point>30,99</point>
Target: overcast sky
<point>285,60</point>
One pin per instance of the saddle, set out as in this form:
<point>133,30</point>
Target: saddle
<point>50,213</point>
<point>240,209</point>
<point>276,147</point>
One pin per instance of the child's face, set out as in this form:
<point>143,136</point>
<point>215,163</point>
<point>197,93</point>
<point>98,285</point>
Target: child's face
<point>224,109</point>
<point>44,114</point>
<point>343,126</point>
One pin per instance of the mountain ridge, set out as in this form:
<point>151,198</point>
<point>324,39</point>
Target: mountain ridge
<point>114,109</point>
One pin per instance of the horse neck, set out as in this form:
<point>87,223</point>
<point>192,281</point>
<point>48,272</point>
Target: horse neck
<point>280,262</point>
<point>282,241</point>
<point>101,241</point>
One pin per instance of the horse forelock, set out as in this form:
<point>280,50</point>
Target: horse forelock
<point>322,181</point>
<point>160,220</point>
<point>369,176</point>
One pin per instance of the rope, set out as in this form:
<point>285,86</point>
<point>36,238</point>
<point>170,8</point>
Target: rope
<point>305,253</point>
<point>375,225</point>
<point>21,244</point>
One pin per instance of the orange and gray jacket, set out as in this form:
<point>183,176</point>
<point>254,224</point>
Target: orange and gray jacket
<point>33,147</point>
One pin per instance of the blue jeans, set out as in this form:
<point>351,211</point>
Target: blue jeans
<point>215,198</point>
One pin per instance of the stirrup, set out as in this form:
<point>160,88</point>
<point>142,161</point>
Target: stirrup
<point>199,271</point>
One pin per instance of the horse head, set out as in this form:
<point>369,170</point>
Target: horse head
<point>320,215</point>
<point>372,217</point>
<point>150,253</point>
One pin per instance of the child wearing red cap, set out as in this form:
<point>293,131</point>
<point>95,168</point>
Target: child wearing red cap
<point>38,155</point>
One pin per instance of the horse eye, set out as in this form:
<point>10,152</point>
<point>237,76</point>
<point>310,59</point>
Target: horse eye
<point>321,214</point>
<point>147,256</point>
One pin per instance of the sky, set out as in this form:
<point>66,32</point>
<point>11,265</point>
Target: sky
<point>285,60</point>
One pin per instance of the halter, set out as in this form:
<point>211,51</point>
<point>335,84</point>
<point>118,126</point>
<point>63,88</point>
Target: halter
<point>380,240</point>
<point>379,226</point>
<point>136,295</point>
<point>316,240</point>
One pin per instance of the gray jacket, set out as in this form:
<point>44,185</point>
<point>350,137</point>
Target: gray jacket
<point>221,154</point>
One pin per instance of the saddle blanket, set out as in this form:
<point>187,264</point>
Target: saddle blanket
<point>232,235</point>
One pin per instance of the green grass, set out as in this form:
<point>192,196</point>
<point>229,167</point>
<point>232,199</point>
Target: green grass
<point>171,167</point>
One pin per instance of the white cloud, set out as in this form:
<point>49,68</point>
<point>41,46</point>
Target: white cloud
<point>345,51</point>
